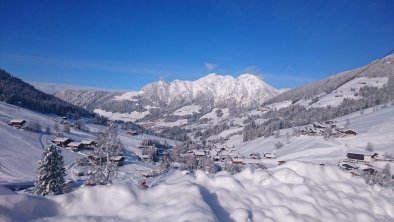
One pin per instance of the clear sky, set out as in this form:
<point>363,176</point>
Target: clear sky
<point>126,44</point>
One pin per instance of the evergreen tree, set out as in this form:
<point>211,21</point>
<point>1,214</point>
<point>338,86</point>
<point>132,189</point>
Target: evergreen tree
<point>51,173</point>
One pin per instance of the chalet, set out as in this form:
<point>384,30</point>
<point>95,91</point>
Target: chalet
<point>370,171</point>
<point>132,133</point>
<point>62,141</point>
<point>347,166</point>
<point>349,132</point>
<point>255,156</point>
<point>198,153</point>
<point>319,126</point>
<point>237,161</point>
<point>280,162</point>
<point>361,157</point>
<point>269,156</point>
<point>88,143</point>
<point>117,159</point>
<point>17,123</point>
<point>75,146</point>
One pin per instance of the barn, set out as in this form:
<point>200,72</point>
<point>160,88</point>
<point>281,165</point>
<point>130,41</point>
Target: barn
<point>17,123</point>
<point>88,143</point>
<point>349,132</point>
<point>62,141</point>
<point>117,159</point>
<point>75,146</point>
<point>361,157</point>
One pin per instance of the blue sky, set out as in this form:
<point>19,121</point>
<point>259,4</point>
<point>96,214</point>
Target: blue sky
<point>126,44</point>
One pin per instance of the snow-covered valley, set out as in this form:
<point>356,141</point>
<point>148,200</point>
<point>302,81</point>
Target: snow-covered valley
<point>309,186</point>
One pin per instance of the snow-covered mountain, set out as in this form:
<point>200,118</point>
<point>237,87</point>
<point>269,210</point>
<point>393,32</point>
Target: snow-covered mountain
<point>245,90</point>
<point>210,91</point>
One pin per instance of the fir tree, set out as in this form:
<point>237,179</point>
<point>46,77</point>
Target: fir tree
<point>51,173</point>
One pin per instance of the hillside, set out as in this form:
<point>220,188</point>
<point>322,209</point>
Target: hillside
<point>383,68</point>
<point>17,92</point>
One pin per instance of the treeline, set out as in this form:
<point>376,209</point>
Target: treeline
<point>17,92</point>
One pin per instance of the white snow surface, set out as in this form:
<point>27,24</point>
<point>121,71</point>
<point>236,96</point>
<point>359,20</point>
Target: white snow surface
<point>179,122</point>
<point>295,191</point>
<point>187,110</point>
<point>280,105</point>
<point>128,96</point>
<point>127,117</point>
<point>214,117</point>
<point>348,90</point>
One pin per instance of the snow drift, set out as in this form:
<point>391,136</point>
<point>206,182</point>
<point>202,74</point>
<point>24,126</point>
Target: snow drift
<point>295,191</point>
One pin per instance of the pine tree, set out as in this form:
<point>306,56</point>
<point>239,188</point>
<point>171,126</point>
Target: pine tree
<point>51,173</point>
<point>108,145</point>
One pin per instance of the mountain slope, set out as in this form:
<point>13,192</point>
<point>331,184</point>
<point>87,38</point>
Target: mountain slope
<point>383,68</point>
<point>244,90</point>
<point>17,92</point>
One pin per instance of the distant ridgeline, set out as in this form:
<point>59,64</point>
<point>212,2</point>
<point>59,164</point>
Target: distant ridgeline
<point>17,92</point>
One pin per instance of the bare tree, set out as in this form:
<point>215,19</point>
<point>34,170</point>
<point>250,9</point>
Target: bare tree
<point>108,145</point>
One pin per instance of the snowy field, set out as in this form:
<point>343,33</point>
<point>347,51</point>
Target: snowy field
<point>349,90</point>
<point>295,191</point>
<point>129,96</point>
<point>376,127</point>
<point>127,117</point>
<point>187,110</point>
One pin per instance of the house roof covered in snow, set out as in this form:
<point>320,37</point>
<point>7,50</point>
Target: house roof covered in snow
<point>17,121</point>
<point>61,139</point>
<point>75,144</point>
<point>87,142</point>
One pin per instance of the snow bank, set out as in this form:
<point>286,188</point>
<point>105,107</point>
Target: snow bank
<point>295,191</point>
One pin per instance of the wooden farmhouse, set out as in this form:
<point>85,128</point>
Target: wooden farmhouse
<point>269,155</point>
<point>17,123</point>
<point>88,144</point>
<point>132,133</point>
<point>349,132</point>
<point>117,159</point>
<point>75,146</point>
<point>236,160</point>
<point>361,157</point>
<point>62,141</point>
<point>255,156</point>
